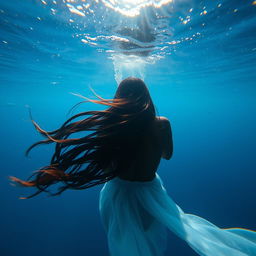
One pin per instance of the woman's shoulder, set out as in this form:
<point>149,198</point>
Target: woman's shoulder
<point>162,121</point>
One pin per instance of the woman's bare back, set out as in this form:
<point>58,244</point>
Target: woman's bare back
<point>155,144</point>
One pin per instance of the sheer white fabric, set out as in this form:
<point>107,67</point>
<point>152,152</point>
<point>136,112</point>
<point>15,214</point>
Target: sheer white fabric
<point>135,216</point>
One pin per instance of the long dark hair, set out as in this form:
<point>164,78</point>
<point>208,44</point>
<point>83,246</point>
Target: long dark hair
<point>80,163</point>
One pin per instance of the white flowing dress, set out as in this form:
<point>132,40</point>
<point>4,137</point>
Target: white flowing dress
<point>136,214</point>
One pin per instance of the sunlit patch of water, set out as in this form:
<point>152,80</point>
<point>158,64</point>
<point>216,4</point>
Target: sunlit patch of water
<point>137,30</point>
<point>133,8</point>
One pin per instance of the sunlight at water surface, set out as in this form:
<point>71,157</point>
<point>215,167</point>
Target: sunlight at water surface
<point>132,8</point>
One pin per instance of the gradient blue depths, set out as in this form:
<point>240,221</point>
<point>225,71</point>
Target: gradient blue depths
<point>204,85</point>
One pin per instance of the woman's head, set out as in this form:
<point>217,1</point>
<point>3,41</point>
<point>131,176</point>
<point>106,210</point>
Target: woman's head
<point>135,94</point>
<point>132,87</point>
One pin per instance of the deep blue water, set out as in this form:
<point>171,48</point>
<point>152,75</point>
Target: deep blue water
<point>198,60</point>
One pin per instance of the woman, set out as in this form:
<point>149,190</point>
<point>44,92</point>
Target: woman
<point>122,149</point>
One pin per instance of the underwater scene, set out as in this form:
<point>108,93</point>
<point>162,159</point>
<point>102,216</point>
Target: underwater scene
<point>198,60</point>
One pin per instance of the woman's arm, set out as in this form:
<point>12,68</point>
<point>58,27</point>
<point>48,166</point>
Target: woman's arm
<point>166,138</point>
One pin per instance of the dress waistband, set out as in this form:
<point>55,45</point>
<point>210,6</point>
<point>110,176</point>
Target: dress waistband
<point>136,183</point>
